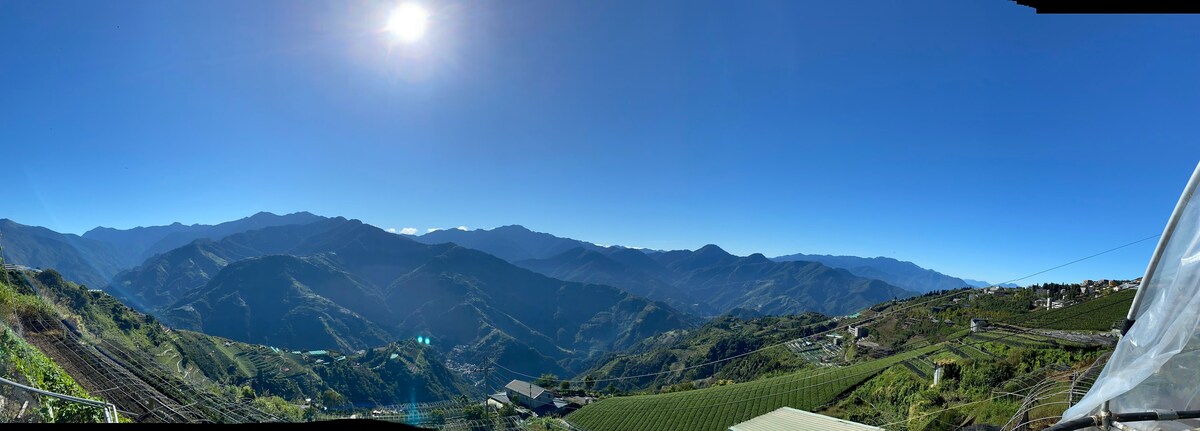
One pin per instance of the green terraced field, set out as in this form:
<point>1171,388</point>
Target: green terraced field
<point>1096,315</point>
<point>1011,339</point>
<point>919,368</point>
<point>719,407</point>
<point>969,351</point>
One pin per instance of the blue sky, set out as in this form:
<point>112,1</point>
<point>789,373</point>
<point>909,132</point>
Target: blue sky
<point>975,138</point>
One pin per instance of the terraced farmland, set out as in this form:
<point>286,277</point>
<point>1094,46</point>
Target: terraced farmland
<point>1011,339</point>
<point>921,369</point>
<point>720,407</point>
<point>1096,315</point>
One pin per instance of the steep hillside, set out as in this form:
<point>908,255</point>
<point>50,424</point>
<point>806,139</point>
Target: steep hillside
<point>1103,314</point>
<point>627,269</point>
<point>711,281</point>
<point>720,407</point>
<point>900,273</point>
<point>343,284</point>
<point>284,301</point>
<point>149,352</point>
<point>84,260</point>
<point>757,283</point>
<point>165,278</point>
<point>884,379</point>
<point>723,337</point>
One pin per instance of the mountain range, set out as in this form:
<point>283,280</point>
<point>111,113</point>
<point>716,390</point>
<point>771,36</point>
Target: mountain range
<point>341,283</point>
<point>140,243</point>
<point>900,273</point>
<point>82,260</point>
<point>512,243</point>
<point>524,299</point>
<point>710,281</point>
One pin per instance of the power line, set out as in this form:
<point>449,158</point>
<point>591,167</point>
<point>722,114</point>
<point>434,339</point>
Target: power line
<point>859,322</point>
<point>783,383</point>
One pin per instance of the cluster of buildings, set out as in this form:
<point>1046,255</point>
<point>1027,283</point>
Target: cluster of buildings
<point>1087,289</point>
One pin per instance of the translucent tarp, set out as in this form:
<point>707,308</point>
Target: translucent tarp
<point>1156,365</point>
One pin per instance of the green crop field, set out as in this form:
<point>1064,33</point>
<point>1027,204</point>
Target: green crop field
<point>1011,339</point>
<point>719,407</point>
<point>1096,315</point>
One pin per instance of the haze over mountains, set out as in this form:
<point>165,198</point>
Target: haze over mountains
<point>714,281</point>
<point>80,259</point>
<point>900,273</point>
<point>341,283</point>
<point>525,299</point>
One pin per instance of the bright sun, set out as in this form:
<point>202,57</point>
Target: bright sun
<point>408,22</point>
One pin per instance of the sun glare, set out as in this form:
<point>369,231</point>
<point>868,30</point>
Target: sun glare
<point>408,22</point>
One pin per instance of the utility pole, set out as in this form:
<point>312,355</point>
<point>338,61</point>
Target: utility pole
<point>487,370</point>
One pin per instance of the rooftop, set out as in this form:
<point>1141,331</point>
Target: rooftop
<point>525,388</point>
<point>501,397</point>
<point>789,419</point>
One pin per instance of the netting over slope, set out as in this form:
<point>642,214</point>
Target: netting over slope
<point>1156,365</point>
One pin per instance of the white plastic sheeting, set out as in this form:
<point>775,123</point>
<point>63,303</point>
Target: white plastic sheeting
<point>1156,365</point>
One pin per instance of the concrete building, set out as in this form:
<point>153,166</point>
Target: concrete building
<point>528,394</point>
<point>787,418</point>
<point>978,325</point>
<point>857,332</point>
<point>835,339</point>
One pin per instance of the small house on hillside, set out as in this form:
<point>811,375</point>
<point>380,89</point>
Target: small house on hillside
<point>978,325</point>
<point>528,394</point>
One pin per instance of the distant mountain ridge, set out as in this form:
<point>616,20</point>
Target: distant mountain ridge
<point>141,243</point>
<point>900,273</point>
<point>710,281</point>
<point>511,243</point>
<point>82,260</point>
<point>976,283</point>
<point>352,285</point>
<point>101,253</point>
<point>707,281</point>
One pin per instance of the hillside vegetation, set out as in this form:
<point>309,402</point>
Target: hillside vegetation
<point>1101,314</point>
<point>717,408</point>
<point>886,379</point>
<point>187,365</point>
<point>712,279</point>
<point>344,285</point>
<point>723,337</point>
<point>27,365</point>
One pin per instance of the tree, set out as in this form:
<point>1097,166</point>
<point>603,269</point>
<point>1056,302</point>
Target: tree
<point>248,393</point>
<point>589,382</point>
<point>474,412</point>
<point>437,417</point>
<point>330,398</point>
<point>565,385</point>
<point>547,380</point>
